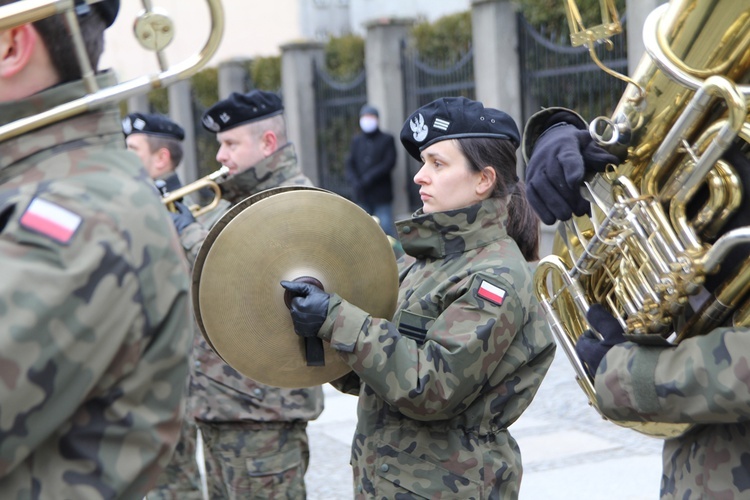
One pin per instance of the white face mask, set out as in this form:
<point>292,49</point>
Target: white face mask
<point>368,124</point>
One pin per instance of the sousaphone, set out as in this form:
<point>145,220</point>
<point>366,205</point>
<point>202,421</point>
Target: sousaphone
<point>288,233</point>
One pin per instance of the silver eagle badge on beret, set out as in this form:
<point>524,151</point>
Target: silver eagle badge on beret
<point>419,128</point>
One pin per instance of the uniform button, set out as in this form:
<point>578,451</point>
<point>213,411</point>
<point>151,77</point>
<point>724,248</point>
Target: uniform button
<point>406,229</point>
<point>384,467</point>
<point>258,392</point>
<point>197,364</point>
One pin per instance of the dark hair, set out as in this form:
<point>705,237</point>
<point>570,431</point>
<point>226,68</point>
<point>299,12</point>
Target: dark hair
<point>54,33</point>
<point>500,154</point>
<point>172,145</point>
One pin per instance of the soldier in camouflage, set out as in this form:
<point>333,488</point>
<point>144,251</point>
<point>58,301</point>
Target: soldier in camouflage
<point>440,383</point>
<point>703,380</point>
<point>157,141</point>
<point>255,435</point>
<point>94,293</point>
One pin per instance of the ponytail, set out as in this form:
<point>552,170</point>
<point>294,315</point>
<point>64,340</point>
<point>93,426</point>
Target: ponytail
<point>523,223</point>
<point>500,154</point>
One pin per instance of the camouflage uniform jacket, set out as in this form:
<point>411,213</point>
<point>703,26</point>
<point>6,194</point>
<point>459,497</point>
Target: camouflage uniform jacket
<point>703,380</point>
<point>95,311</point>
<point>461,360</point>
<point>217,391</point>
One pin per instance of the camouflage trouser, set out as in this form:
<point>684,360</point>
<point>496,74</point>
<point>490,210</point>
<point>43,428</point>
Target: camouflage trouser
<point>255,460</point>
<point>181,479</point>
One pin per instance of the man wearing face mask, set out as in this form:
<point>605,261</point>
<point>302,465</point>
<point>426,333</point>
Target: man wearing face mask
<point>371,158</point>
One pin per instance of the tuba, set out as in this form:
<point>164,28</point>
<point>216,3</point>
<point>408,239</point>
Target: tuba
<point>153,30</point>
<point>657,236</point>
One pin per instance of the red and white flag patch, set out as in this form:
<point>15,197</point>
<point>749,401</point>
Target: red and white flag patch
<point>51,220</point>
<point>492,293</point>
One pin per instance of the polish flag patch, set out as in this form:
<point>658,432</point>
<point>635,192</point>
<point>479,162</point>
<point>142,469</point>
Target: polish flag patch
<point>492,293</point>
<point>50,219</point>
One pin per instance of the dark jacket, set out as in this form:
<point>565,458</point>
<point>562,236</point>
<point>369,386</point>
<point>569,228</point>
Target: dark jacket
<point>368,167</point>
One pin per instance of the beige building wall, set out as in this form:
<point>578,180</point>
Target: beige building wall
<point>252,28</point>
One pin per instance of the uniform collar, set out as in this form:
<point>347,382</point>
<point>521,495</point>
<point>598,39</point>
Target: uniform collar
<point>105,123</point>
<point>441,234</point>
<point>49,98</point>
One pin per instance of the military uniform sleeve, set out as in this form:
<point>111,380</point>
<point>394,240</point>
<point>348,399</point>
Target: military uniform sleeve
<point>92,349</point>
<point>705,379</point>
<point>191,239</point>
<point>441,377</point>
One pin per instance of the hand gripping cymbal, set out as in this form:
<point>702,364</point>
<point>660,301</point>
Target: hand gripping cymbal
<point>289,233</point>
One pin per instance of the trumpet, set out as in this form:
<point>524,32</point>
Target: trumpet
<point>210,181</point>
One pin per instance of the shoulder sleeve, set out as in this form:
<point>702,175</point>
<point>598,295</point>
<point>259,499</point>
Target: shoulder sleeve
<point>192,238</point>
<point>704,379</point>
<point>87,319</point>
<point>441,364</point>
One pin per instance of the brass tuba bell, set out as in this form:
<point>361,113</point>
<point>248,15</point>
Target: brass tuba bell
<point>656,234</point>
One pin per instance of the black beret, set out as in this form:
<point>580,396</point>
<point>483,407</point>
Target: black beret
<point>107,9</point>
<point>455,118</point>
<point>152,124</point>
<point>239,109</point>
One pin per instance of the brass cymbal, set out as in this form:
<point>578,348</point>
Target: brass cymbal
<point>285,234</point>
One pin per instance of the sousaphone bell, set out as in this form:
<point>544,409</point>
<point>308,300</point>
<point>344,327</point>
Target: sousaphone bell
<point>288,233</point>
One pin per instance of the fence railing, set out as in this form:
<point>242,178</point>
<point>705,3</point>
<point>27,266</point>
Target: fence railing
<point>337,106</point>
<point>426,81</point>
<point>553,73</point>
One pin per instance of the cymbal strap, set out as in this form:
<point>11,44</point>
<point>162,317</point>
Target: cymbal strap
<point>314,353</point>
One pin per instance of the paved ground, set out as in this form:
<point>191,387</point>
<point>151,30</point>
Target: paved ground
<point>569,452</point>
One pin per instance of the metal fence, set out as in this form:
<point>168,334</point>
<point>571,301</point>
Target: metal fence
<point>337,106</point>
<point>553,73</point>
<point>426,81</point>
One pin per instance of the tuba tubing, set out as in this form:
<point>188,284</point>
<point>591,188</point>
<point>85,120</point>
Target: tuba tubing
<point>640,254</point>
<point>33,10</point>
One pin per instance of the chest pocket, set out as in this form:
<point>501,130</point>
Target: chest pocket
<point>414,326</point>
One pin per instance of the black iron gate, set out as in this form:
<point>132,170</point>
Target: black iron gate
<point>337,106</point>
<point>553,73</point>
<point>423,83</point>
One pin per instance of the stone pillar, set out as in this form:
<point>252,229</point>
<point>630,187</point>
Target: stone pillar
<point>298,91</point>
<point>385,91</point>
<point>232,75</point>
<point>637,11</point>
<point>138,104</point>
<point>181,111</point>
<point>497,71</point>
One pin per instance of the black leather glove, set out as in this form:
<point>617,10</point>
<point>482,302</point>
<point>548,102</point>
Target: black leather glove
<point>589,348</point>
<point>309,307</point>
<point>182,218</point>
<point>562,157</point>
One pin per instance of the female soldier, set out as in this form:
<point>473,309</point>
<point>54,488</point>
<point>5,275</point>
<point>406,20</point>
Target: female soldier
<point>467,349</point>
